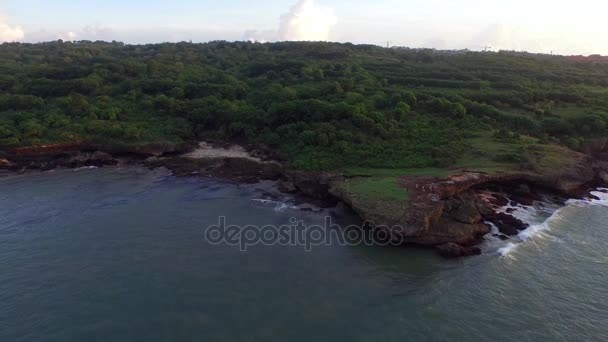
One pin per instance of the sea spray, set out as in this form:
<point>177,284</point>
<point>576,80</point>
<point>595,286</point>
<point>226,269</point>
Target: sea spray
<point>277,205</point>
<point>539,223</point>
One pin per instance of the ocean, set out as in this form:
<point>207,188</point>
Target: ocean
<point>123,254</point>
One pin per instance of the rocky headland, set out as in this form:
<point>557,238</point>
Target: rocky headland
<point>451,214</point>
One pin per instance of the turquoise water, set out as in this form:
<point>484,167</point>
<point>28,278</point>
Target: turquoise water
<point>120,255</point>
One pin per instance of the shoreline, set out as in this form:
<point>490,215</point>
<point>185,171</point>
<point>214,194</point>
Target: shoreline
<point>452,214</point>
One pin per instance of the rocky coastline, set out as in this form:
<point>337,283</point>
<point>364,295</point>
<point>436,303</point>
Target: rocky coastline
<point>450,214</point>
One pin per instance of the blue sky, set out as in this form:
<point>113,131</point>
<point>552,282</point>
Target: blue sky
<point>565,27</point>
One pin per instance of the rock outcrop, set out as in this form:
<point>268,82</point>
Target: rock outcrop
<point>451,213</point>
<point>70,155</point>
<point>236,169</point>
<point>453,250</point>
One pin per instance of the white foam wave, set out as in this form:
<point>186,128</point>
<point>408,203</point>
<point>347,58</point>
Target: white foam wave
<point>537,230</point>
<point>539,224</point>
<point>278,205</point>
<point>600,193</point>
<point>507,249</point>
<point>85,168</point>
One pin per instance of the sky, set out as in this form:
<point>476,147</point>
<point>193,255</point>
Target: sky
<point>561,27</point>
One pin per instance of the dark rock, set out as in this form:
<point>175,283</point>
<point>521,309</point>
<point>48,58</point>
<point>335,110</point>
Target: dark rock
<point>506,224</point>
<point>48,166</point>
<point>523,200</point>
<point>527,198</point>
<point>523,189</point>
<point>313,184</point>
<point>287,187</point>
<point>237,169</point>
<point>446,230</point>
<point>466,213</point>
<point>101,158</point>
<point>452,250</point>
<point>603,175</point>
<point>79,159</point>
<point>499,200</point>
<point>151,160</point>
<point>501,236</point>
<point>462,208</point>
<point>484,208</point>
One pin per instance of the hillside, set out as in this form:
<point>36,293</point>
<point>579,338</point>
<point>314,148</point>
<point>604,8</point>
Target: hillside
<point>322,106</point>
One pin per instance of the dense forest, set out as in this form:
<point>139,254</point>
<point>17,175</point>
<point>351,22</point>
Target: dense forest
<point>321,105</point>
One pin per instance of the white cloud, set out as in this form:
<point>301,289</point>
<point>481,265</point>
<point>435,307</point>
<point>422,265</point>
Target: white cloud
<point>305,21</point>
<point>8,33</point>
<point>96,32</point>
<point>90,32</point>
<point>68,36</point>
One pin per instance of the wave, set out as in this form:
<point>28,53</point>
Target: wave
<point>540,218</point>
<point>601,199</point>
<point>278,205</point>
<point>85,168</point>
<point>506,250</point>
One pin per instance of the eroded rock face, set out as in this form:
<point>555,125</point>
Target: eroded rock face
<point>603,175</point>
<point>96,158</point>
<point>313,184</point>
<point>237,169</point>
<point>462,209</point>
<point>449,230</point>
<point>506,224</point>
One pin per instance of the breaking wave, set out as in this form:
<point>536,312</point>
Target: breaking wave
<point>540,217</point>
<point>277,205</point>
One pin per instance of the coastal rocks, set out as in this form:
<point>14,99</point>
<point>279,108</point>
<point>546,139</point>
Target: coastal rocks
<point>452,250</point>
<point>32,152</point>
<point>448,230</point>
<point>462,209</point>
<point>489,204</point>
<point>603,176</point>
<point>506,223</point>
<point>568,178</point>
<point>313,184</point>
<point>236,169</point>
<point>149,150</point>
<point>287,187</point>
<point>99,158</point>
<point>81,159</point>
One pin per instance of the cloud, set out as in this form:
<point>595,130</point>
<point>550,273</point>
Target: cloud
<point>305,21</point>
<point>97,32</point>
<point>8,33</point>
<point>563,40</point>
<point>68,36</point>
<point>90,32</point>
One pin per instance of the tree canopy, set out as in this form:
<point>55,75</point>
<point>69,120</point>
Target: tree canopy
<point>323,105</point>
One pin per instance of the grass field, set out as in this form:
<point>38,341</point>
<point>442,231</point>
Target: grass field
<point>485,154</point>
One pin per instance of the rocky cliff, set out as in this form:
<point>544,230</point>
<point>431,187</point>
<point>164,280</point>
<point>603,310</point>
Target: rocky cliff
<point>452,213</point>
